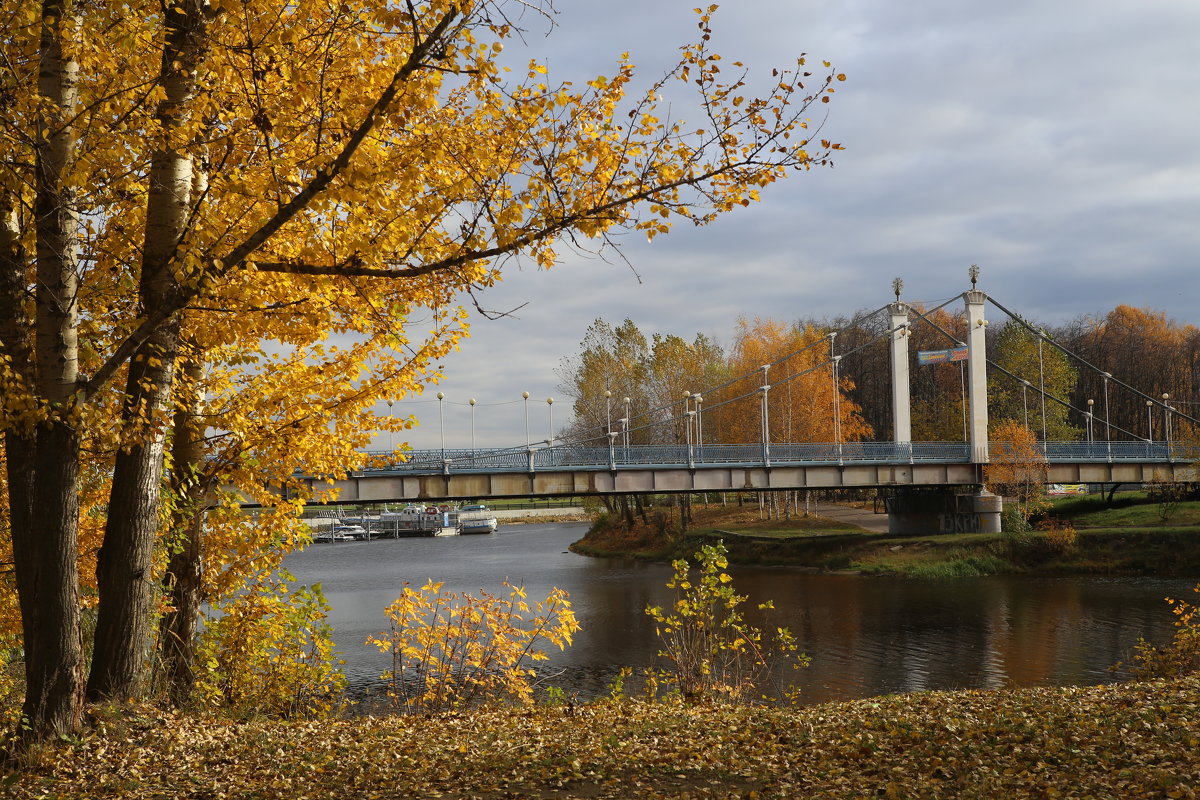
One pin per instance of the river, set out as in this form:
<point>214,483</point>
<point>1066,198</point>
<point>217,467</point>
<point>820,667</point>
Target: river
<point>865,636</point>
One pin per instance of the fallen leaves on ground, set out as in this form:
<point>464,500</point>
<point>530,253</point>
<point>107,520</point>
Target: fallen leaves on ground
<point>1121,741</point>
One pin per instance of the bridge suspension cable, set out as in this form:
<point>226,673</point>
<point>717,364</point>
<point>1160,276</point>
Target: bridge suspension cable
<point>1043,336</point>
<point>667,414</point>
<point>1040,389</point>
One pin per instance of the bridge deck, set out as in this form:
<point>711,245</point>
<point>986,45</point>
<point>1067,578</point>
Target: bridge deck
<point>582,470</point>
<point>534,459</point>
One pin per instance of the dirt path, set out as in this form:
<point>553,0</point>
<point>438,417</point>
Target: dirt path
<point>862,517</point>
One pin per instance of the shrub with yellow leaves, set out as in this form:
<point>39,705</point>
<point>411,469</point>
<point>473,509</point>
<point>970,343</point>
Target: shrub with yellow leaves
<point>451,650</point>
<point>268,651</point>
<point>1060,535</point>
<point>1181,656</point>
<point>12,683</point>
<point>713,652</point>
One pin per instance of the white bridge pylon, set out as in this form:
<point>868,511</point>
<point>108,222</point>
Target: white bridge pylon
<point>976,372</point>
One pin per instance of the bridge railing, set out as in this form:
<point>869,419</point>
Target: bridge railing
<point>592,457</point>
<point>668,456</point>
<point>1120,451</point>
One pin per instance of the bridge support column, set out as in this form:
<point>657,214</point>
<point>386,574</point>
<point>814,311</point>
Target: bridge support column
<point>928,511</point>
<point>977,373</point>
<point>901,394</point>
<point>987,507</point>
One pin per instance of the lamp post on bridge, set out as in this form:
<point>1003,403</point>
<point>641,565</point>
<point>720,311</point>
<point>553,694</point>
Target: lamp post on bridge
<point>525,397</point>
<point>836,399</point>
<point>687,420</point>
<point>1167,423</point>
<point>626,423</point>
<point>472,402</point>
<point>550,405</point>
<point>837,407</point>
<point>441,426</point>
<point>690,415</point>
<point>1107,425</point>
<point>766,420</point>
<point>391,447</point>
<point>1090,403</point>
<point>608,413</point>
<point>694,421</point>
<point>1150,421</point>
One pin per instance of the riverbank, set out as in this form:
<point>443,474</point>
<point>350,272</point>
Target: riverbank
<point>1127,537</point>
<point>529,516</point>
<point>1125,740</point>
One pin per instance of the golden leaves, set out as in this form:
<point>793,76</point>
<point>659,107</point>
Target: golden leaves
<point>1126,740</point>
<point>454,171</point>
<point>452,650</point>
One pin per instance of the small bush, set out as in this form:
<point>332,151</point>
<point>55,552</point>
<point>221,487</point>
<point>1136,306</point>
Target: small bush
<point>1013,521</point>
<point>963,564</point>
<point>1167,496</point>
<point>449,650</point>
<point>269,651</point>
<point>1179,658</point>
<point>713,652</point>
<point>838,562</point>
<point>1060,535</point>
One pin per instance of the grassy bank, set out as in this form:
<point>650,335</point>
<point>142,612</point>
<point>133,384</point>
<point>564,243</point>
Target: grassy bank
<point>1128,537</point>
<point>1128,740</point>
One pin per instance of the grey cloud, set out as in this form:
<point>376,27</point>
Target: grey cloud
<point>1051,143</point>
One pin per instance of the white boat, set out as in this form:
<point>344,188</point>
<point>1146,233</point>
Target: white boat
<point>349,533</point>
<point>476,519</point>
<point>339,533</point>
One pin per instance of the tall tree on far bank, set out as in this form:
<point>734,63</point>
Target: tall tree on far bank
<point>803,404</point>
<point>1017,469</point>
<point>1030,383</point>
<point>1143,348</point>
<point>188,166</point>
<point>679,370</point>
<point>610,366</point>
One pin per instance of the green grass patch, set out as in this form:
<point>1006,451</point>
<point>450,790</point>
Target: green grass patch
<point>1146,515</point>
<point>941,565</point>
<point>1127,510</point>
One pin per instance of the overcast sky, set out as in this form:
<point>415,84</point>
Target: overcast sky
<point>1055,143</point>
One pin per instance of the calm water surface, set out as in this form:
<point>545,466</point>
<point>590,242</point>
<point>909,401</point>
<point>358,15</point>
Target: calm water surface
<point>866,636</point>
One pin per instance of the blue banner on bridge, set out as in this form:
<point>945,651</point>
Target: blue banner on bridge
<point>926,357</point>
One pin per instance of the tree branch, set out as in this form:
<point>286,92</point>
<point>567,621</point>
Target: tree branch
<point>220,267</point>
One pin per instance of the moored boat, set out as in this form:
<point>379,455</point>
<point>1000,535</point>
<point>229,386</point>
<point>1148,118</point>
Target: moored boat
<point>415,521</point>
<point>476,519</point>
<point>349,533</point>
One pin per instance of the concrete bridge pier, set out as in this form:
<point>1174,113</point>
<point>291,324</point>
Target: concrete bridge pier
<point>927,511</point>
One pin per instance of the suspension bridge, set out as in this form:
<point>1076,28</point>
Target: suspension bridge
<point>684,458</point>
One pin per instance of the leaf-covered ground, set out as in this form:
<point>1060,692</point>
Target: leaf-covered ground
<point>1127,741</point>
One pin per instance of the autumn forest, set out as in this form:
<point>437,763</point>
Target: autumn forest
<point>1139,347</point>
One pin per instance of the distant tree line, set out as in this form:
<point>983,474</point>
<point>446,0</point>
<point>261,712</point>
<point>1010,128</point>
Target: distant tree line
<point>1041,377</point>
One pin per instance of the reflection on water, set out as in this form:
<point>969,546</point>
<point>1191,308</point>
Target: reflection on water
<point>866,636</point>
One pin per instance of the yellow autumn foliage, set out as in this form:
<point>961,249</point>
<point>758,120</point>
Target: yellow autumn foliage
<point>451,650</point>
<point>279,208</point>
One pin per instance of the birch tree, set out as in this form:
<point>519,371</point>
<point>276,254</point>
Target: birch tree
<point>182,179</point>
